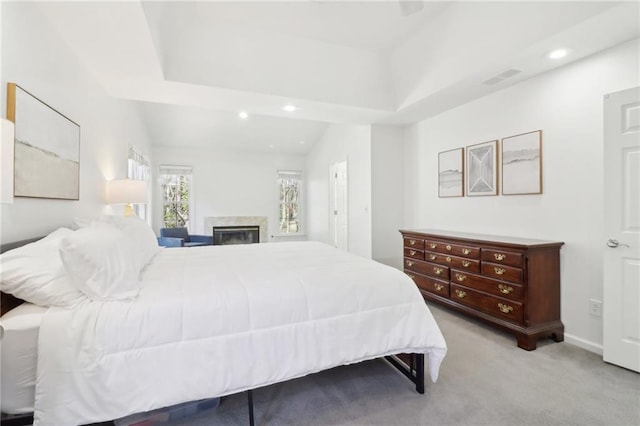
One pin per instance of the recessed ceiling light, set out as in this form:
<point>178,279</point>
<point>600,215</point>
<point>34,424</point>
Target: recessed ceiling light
<point>289,108</point>
<point>558,53</point>
<point>243,115</point>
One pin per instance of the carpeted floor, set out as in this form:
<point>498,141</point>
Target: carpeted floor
<point>484,380</point>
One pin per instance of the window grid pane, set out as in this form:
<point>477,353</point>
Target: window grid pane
<point>176,193</point>
<point>289,204</point>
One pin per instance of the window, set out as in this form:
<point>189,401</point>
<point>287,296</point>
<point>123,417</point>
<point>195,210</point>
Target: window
<point>290,188</point>
<point>138,168</point>
<point>175,182</point>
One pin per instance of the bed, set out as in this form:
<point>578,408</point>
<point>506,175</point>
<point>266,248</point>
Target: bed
<point>211,321</point>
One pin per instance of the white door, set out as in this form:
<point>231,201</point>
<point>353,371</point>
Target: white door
<point>338,213</point>
<point>621,304</point>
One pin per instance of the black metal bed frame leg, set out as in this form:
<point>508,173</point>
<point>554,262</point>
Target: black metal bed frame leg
<point>250,401</point>
<point>420,373</point>
<point>414,371</point>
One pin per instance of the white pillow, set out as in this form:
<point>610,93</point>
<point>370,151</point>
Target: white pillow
<point>142,237</point>
<point>101,263</point>
<point>35,273</point>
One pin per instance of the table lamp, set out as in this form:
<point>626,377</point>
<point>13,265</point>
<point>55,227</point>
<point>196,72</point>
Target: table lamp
<point>127,192</point>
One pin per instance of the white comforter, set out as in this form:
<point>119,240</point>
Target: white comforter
<point>217,320</point>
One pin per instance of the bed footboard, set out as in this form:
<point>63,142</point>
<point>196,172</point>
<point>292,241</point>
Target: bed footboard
<point>414,368</point>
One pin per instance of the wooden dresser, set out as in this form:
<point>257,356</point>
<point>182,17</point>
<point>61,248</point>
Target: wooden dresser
<point>512,283</point>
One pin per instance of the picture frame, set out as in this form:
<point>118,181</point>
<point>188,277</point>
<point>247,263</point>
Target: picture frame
<point>481,169</point>
<point>451,173</point>
<point>47,148</point>
<point>522,164</point>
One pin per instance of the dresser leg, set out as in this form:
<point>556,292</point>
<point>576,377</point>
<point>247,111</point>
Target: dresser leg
<point>527,342</point>
<point>558,335</point>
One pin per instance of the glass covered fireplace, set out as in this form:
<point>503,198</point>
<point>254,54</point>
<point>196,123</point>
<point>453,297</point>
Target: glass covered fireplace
<point>223,235</point>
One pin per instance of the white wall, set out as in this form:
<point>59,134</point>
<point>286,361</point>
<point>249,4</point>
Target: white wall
<point>567,105</point>
<point>353,144</point>
<point>228,183</point>
<point>37,59</point>
<point>387,197</point>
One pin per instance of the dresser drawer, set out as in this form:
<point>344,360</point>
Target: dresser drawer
<point>426,268</point>
<point>432,285</point>
<point>499,288</point>
<point>469,252</point>
<point>453,261</point>
<point>502,272</point>
<point>414,253</point>
<point>416,243</point>
<point>502,257</point>
<point>496,306</point>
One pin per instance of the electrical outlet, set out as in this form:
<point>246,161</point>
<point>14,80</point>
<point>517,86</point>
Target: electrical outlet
<point>595,307</point>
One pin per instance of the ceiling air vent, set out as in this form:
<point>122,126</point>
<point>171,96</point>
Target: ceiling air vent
<point>502,76</point>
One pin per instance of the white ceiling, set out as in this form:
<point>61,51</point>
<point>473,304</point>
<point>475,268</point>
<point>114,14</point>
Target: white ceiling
<point>192,66</point>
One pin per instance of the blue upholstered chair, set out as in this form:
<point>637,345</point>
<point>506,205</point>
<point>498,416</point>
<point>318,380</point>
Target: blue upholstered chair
<point>180,237</point>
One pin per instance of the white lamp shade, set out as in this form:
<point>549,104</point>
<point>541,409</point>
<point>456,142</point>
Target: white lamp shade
<point>126,191</point>
<point>6,161</point>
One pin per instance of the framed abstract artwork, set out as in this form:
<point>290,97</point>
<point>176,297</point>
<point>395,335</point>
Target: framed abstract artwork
<point>482,169</point>
<point>522,164</point>
<point>451,173</point>
<point>47,148</point>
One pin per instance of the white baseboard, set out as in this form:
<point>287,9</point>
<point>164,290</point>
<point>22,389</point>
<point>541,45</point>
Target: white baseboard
<point>584,344</point>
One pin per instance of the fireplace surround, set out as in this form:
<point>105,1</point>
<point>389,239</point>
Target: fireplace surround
<point>238,221</point>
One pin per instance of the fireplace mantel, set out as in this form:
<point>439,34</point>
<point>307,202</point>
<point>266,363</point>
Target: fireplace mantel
<point>261,221</point>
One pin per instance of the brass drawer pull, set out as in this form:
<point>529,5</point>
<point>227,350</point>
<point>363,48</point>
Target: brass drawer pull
<point>466,263</point>
<point>499,271</point>
<point>433,256</point>
<point>433,245</point>
<point>505,309</point>
<point>412,242</point>
<point>412,252</point>
<point>409,263</point>
<point>438,287</point>
<point>466,251</point>
<point>413,277</point>
<point>499,256</point>
<point>438,271</point>
<point>448,259</point>
<point>505,289</point>
<point>461,277</point>
<point>448,247</point>
<point>461,294</point>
